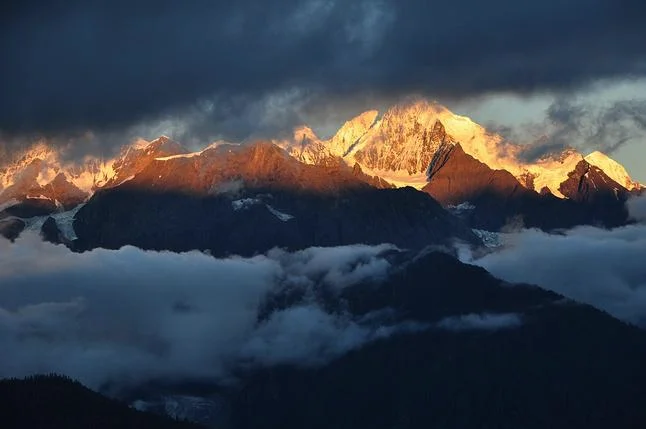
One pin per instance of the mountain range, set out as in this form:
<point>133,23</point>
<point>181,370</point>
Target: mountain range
<point>419,146</point>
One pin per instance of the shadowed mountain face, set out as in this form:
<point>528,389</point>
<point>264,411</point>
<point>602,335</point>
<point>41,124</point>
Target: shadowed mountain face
<point>245,200</point>
<point>589,184</point>
<point>496,197</point>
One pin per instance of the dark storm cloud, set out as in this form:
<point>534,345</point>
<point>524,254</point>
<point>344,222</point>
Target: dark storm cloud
<point>78,65</point>
<point>583,125</point>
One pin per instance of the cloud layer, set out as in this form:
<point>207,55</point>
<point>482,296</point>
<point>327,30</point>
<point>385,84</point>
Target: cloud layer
<point>604,268</point>
<point>80,65</point>
<point>129,316</point>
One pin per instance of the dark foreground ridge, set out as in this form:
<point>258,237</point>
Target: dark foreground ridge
<point>52,401</point>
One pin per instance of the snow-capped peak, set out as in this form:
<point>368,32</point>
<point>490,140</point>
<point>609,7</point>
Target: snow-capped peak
<point>613,169</point>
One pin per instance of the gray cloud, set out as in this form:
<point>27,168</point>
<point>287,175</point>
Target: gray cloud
<point>308,335</point>
<point>604,268</point>
<point>76,65</point>
<point>585,126</point>
<point>129,316</point>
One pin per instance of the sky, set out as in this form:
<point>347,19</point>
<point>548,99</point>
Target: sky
<point>88,73</point>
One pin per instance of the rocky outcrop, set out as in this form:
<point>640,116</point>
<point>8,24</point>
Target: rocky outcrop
<point>50,232</point>
<point>10,228</point>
